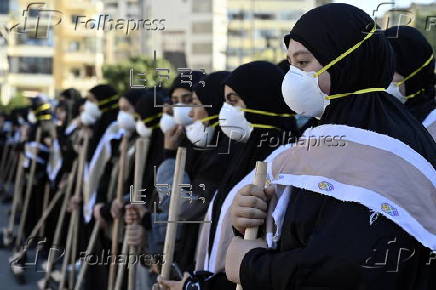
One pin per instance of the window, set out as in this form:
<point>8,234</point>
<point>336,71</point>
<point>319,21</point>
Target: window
<point>89,71</point>
<point>201,6</point>
<point>34,65</point>
<point>202,48</point>
<point>265,33</point>
<point>236,33</point>
<point>290,15</point>
<point>75,72</point>
<point>264,16</point>
<point>202,27</point>
<point>4,6</point>
<point>42,37</point>
<point>240,15</point>
<point>74,46</point>
<point>112,5</point>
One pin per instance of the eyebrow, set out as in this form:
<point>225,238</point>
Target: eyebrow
<point>232,94</point>
<point>298,52</point>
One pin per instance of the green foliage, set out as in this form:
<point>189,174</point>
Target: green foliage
<point>16,102</point>
<point>118,75</point>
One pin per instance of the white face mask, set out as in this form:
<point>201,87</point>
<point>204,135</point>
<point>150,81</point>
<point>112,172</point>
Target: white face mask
<point>143,130</point>
<point>181,115</point>
<point>198,134</point>
<point>394,90</point>
<point>31,117</point>
<point>167,123</point>
<point>87,119</point>
<point>92,109</point>
<point>233,123</point>
<point>126,121</point>
<point>302,94</point>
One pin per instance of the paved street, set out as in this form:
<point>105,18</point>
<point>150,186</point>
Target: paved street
<point>7,280</point>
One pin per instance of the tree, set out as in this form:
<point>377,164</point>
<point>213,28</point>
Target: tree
<point>121,75</point>
<point>16,102</point>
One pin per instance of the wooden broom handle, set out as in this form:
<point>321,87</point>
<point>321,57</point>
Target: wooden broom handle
<point>170,237</point>
<point>259,180</point>
<point>119,198</point>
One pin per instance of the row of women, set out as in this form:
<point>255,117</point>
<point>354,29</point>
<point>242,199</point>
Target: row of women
<point>346,126</point>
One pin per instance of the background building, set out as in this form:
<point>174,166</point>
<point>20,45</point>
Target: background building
<point>45,56</point>
<point>256,28</point>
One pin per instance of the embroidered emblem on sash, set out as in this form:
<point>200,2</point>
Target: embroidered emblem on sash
<point>390,210</point>
<point>324,185</point>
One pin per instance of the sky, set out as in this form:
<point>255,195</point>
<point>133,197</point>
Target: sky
<point>370,5</point>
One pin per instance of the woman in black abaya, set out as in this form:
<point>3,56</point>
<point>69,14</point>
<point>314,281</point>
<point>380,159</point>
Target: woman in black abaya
<point>253,88</point>
<point>414,68</point>
<point>326,243</point>
<point>106,98</point>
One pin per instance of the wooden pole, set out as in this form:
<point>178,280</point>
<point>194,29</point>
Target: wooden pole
<point>17,193</point>
<point>116,222</point>
<point>60,222</point>
<point>3,162</point>
<point>141,154</point>
<point>69,250</point>
<point>11,170</point>
<point>89,251</point>
<point>78,194</point>
<point>44,206</point>
<point>170,237</point>
<point>120,274</point>
<point>28,190</point>
<point>259,180</point>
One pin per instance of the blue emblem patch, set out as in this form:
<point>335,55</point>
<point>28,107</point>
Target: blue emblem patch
<point>324,185</point>
<point>389,209</point>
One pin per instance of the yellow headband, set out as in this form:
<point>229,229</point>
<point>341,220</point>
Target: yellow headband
<point>151,118</point>
<point>426,63</point>
<point>343,55</point>
<point>105,101</point>
<point>267,113</point>
<point>42,108</point>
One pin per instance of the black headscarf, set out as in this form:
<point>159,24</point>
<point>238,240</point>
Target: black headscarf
<point>133,95</point>
<point>284,65</point>
<point>211,163</point>
<point>258,83</point>
<point>42,109</point>
<point>369,66</point>
<point>108,104</point>
<point>411,51</point>
<point>145,108</point>
<point>73,101</point>
<point>186,82</point>
<point>206,164</point>
<point>211,92</point>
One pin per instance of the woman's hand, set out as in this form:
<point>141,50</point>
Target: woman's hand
<point>235,254</point>
<point>117,209</point>
<point>97,215</point>
<point>249,208</point>
<point>134,214</point>
<point>172,285</point>
<point>135,235</point>
<point>173,137</point>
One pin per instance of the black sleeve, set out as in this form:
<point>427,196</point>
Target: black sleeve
<point>204,280</point>
<point>146,221</point>
<point>169,153</point>
<point>341,252</point>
